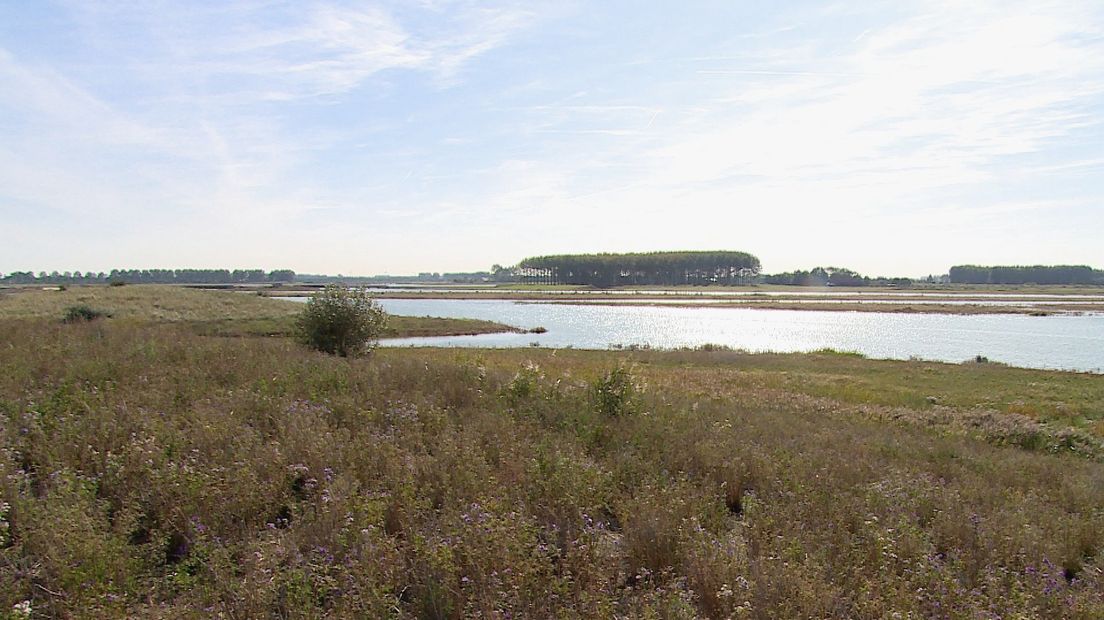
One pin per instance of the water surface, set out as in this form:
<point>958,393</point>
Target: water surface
<point>1060,341</point>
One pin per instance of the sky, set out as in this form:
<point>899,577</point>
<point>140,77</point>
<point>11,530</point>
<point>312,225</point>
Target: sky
<point>893,137</point>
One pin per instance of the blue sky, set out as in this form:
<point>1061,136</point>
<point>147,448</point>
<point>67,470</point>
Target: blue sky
<point>893,137</point>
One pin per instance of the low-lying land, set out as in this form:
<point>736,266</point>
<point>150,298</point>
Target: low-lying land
<point>1030,301</point>
<point>150,470</point>
<point>223,313</point>
<point>918,287</point>
<point>929,307</point>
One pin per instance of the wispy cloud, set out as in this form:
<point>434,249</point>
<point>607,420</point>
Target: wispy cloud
<point>808,133</point>
<point>937,107</point>
<point>191,125</point>
<point>281,51</point>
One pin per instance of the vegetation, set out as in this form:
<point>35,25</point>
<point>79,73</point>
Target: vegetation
<point>342,321</point>
<point>147,471</point>
<point>1037,274</point>
<point>616,393</point>
<point>423,326</point>
<point>152,302</point>
<point>662,268</point>
<point>74,314</point>
<point>832,276</point>
<point>602,270</point>
<point>867,304</point>
<point>152,276</point>
<point>948,301</point>
<point>213,313</point>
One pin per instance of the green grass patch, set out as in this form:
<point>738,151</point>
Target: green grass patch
<point>150,471</point>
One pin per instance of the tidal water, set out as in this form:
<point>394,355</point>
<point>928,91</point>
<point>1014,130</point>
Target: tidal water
<point>1069,342</point>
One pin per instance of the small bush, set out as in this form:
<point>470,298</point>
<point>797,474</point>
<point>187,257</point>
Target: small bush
<point>82,313</point>
<point>524,386</point>
<point>117,283</point>
<point>345,322</point>
<point>615,393</point>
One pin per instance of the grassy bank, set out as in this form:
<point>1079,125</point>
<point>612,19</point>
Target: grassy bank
<point>1037,309</point>
<point>919,287</point>
<point>950,301</point>
<point>149,471</point>
<point>209,312</point>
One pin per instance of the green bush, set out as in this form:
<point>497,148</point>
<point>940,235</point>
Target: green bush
<point>345,322</point>
<point>615,393</point>
<point>82,313</point>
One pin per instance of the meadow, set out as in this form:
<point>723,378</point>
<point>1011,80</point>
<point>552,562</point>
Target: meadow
<point>152,469</point>
<point>210,312</point>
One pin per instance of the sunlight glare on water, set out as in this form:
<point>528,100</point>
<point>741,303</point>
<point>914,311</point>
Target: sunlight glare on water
<point>1061,341</point>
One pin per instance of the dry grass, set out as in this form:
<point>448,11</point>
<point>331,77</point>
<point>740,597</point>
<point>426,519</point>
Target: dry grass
<point>415,326</point>
<point>948,301</point>
<point>147,302</point>
<point>209,312</point>
<point>147,471</point>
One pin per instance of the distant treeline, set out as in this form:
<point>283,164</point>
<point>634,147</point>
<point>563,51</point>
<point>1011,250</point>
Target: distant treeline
<point>153,276</point>
<point>643,268</point>
<point>1035,274</point>
<point>467,277</point>
<point>832,276</point>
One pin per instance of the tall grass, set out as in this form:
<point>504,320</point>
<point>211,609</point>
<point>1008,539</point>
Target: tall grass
<point>147,471</point>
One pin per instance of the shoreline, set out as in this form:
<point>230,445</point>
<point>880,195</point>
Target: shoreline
<point>953,304</point>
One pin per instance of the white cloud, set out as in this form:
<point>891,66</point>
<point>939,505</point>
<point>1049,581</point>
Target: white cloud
<point>819,132</point>
<point>918,123</point>
<point>242,52</point>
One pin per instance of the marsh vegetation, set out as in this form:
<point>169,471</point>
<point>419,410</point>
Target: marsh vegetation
<point>221,313</point>
<point>149,470</point>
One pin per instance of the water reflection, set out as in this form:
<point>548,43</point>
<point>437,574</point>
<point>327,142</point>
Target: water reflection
<point>1065,342</point>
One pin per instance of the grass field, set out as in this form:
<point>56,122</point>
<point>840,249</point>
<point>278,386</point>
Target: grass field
<point>222,313</point>
<point>150,470</point>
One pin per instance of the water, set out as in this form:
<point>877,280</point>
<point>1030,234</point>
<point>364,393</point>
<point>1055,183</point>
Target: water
<point>1062,341</point>
<point>1005,302</point>
<point>691,293</point>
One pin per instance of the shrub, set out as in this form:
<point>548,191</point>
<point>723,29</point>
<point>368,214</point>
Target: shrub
<point>346,322</point>
<point>615,393</point>
<point>82,313</point>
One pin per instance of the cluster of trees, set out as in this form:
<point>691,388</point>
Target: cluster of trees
<point>1017,274</point>
<point>640,268</point>
<point>153,276</point>
<point>831,276</point>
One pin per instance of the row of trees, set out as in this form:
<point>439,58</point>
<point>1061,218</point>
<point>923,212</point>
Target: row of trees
<point>1017,274</point>
<point>831,276</point>
<point>640,268</point>
<point>153,276</point>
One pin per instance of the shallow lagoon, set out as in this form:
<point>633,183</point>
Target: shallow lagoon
<point>1070,342</point>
